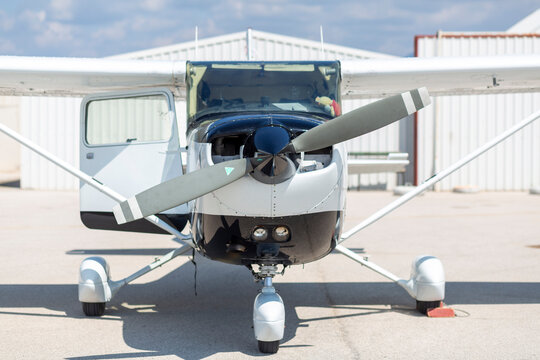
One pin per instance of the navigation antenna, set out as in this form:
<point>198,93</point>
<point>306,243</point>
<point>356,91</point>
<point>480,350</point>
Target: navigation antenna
<point>248,44</point>
<point>323,55</point>
<point>196,42</point>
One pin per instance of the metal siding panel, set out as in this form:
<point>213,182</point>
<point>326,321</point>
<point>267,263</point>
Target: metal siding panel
<point>45,121</point>
<point>512,165</point>
<point>10,151</point>
<point>535,164</point>
<point>386,139</point>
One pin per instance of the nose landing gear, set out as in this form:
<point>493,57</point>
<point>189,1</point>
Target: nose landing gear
<point>268,314</point>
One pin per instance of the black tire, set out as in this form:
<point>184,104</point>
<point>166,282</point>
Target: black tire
<point>423,306</point>
<point>93,309</point>
<point>269,347</point>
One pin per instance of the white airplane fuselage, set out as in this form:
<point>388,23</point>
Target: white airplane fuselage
<point>309,204</point>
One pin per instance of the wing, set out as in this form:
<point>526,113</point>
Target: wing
<point>440,75</point>
<point>22,75</point>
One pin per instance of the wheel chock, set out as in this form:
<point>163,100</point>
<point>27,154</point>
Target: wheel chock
<point>441,312</point>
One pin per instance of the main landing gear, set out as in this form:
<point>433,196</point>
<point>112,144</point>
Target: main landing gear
<point>96,287</point>
<point>426,284</point>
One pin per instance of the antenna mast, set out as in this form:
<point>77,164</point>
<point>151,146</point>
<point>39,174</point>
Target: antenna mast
<point>248,44</point>
<point>322,45</point>
<point>196,43</point>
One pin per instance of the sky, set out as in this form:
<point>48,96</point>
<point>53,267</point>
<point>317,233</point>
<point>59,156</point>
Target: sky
<point>100,28</point>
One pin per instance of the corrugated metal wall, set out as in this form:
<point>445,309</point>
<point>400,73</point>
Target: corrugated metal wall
<point>456,125</point>
<point>10,151</point>
<point>54,122</point>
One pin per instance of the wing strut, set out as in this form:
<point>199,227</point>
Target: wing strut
<point>186,239</point>
<point>438,177</point>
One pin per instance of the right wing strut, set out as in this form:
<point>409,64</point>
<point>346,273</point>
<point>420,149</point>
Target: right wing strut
<point>438,177</point>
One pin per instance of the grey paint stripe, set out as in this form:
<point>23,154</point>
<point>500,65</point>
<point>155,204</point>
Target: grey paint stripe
<point>417,99</point>
<point>127,211</point>
<point>134,207</point>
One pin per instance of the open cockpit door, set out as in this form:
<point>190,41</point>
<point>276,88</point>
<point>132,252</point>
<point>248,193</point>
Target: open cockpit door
<point>129,142</point>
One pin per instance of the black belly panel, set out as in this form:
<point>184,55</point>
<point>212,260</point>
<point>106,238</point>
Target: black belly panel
<point>228,238</point>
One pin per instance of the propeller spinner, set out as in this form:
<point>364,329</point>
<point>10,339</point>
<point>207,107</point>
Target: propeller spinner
<point>271,166</point>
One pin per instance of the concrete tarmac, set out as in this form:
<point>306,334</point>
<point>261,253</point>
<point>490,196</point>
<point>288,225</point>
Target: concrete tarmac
<point>489,244</point>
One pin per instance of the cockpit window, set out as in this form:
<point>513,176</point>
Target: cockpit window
<point>215,88</point>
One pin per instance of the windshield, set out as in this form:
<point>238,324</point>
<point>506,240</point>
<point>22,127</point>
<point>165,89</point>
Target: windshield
<point>215,88</point>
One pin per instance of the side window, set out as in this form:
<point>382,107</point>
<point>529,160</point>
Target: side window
<point>128,120</point>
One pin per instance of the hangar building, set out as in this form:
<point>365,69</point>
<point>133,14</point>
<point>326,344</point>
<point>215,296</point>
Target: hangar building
<point>456,125</point>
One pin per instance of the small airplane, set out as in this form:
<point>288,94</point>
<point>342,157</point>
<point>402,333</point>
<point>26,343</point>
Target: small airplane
<point>266,167</point>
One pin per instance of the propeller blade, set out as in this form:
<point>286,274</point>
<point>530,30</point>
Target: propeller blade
<point>361,121</point>
<point>180,190</point>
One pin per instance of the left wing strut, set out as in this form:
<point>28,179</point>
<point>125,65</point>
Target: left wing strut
<point>186,239</point>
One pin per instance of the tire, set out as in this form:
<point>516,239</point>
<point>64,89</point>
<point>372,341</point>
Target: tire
<point>268,347</point>
<point>93,309</point>
<point>423,306</point>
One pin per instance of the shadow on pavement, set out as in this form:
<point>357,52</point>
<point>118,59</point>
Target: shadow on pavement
<point>13,184</point>
<point>165,317</point>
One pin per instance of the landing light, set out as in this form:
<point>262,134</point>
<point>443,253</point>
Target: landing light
<point>259,234</point>
<point>280,233</point>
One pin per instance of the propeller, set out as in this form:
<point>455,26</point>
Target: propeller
<point>273,143</point>
<point>180,190</point>
<point>360,121</point>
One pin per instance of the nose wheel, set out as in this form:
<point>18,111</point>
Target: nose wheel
<point>268,318</point>
<point>268,347</point>
<point>93,309</point>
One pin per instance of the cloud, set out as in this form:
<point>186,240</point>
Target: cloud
<point>105,27</point>
<point>54,33</point>
<point>113,32</point>
<point>480,13</point>
<point>6,22</point>
<point>6,46</point>
<point>61,9</point>
<point>149,24</point>
<point>154,5</point>
<point>34,19</point>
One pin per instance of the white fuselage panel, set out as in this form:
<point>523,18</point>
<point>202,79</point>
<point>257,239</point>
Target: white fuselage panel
<point>306,192</point>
